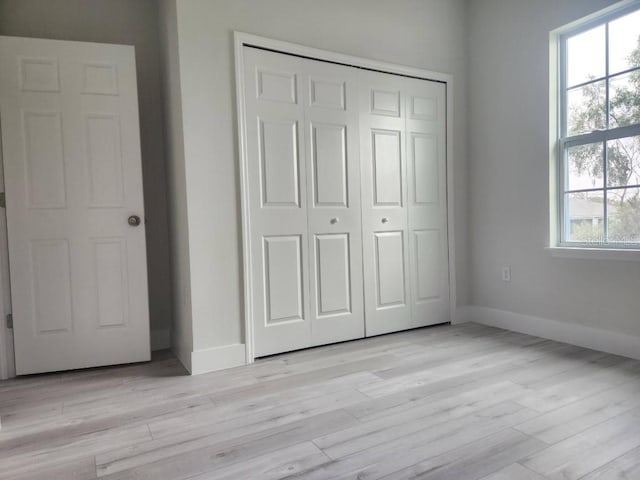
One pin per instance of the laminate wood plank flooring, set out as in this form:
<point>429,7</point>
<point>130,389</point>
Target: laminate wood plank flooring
<point>465,402</point>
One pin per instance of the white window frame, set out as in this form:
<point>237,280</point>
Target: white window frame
<point>560,142</point>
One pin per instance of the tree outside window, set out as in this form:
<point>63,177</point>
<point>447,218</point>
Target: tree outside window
<point>601,133</point>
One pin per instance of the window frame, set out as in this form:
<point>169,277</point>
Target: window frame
<point>563,142</point>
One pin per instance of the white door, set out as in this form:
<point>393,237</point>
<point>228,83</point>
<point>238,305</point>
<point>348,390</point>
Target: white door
<point>384,203</point>
<point>304,201</point>
<point>71,151</point>
<point>427,200</point>
<point>334,215</point>
<point>403,160</point>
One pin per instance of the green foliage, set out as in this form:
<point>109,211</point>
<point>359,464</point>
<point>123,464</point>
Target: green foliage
<point>623,155</point>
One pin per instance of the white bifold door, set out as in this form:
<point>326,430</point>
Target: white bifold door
<point>71,153</point>
<point>346,173</point>
<point>404,228</point>
<point>304,196</point>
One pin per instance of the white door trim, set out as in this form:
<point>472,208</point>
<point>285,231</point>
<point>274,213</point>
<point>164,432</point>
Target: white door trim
<point>245,39</point>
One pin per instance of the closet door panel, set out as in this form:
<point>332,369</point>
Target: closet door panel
<point>277,201</point>
<point>334,215</point>
<point>427,214</point>
<point>384,201</point>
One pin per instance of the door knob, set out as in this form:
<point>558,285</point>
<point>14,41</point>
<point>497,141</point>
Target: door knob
<point>385,220</point>
<point>334,220</point>
<point>134,220</point>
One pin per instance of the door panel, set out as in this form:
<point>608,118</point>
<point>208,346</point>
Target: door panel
<point>46,185</point>
<point>390,266</point>
<point>51,287</point>
<point>112,282</point>
<point>278,202</point>
<point>283,267</point>
<point>306,142</point>
<point>384,212</point>
<point>427,265</point>
<point>279,163</point>
<point>104,154</point>
<point>427,213</point>
<point>334,216</point>
<point>333,266</point>
<point>71,155</point>
<point>329,162</point>
<point>387,167</point>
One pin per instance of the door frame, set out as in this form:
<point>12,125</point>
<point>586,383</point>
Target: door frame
<point>7,359</point>
<point>242,40</point>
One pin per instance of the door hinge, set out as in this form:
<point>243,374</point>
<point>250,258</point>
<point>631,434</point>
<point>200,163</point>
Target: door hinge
<point>9,320</point>
<point>3,200</point>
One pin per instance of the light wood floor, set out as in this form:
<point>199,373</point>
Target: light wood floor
<point>465,402</point>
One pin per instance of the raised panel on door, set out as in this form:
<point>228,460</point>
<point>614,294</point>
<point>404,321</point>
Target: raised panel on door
<point>277,180</point>
<point>104,155</point>
<point>332,265</point>
<point>386,161</point>
<point>389,270</point>
<point>284,297</point>
<point>71,153</point>
<point>334,216</point>
<point>329,165</point>
<point>44,163</point>
<point>426,138</point>
<point>111,281</point>
<point>384,203</point>
<point>51,292</point>
<point>279,163</point>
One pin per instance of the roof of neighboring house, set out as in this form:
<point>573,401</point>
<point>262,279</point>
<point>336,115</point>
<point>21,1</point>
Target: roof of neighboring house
<point>582,209</point>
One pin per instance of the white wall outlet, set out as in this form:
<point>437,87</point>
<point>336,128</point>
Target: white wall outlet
<point>506,273</point>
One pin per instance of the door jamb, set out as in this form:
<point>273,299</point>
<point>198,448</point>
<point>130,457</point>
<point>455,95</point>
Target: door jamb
<point>7,359</point>
<point>245,39</point>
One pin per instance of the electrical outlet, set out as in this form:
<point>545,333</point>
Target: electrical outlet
<point>506,274</point>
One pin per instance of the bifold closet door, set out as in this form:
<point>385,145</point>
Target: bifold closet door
<point>403,165</point>
<point>304,201</point>
<point>426,201</point>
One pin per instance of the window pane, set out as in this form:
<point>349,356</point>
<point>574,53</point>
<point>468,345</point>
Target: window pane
<point>624,43</point>
<point>585,165</point>
<point>585,217</point>
<point>586,110</point>
<point>624,215</point>
<point>586,56</point>
<point>623,161</point>
<point>624,101</point>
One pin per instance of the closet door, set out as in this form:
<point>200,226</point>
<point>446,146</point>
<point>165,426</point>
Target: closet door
<point>277,201</point>
<point>334,216</point>
<point>304,198</point>
<point>427,199</point>
<point>384,203</point>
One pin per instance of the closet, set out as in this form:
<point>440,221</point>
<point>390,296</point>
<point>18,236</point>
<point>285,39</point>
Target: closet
<point>346,201</point>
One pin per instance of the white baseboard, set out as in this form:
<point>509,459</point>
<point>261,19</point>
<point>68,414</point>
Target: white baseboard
<point>219,358</point>
<point>572,333</point>
<point>160,339</point>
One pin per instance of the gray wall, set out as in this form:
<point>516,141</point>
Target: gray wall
<point>428,34</point>
<point>509,176</point>
<point>132,22</point>
<point>182,332</point>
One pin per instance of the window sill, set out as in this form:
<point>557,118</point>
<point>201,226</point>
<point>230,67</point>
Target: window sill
<point>595,253</point>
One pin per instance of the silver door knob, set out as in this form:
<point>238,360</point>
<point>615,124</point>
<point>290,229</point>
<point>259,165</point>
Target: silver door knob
<point>385,220</point>
<point>134,220</point>
<point>334,220</point>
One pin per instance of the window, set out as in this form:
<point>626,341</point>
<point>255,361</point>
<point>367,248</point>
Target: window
<point>599,132</point>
